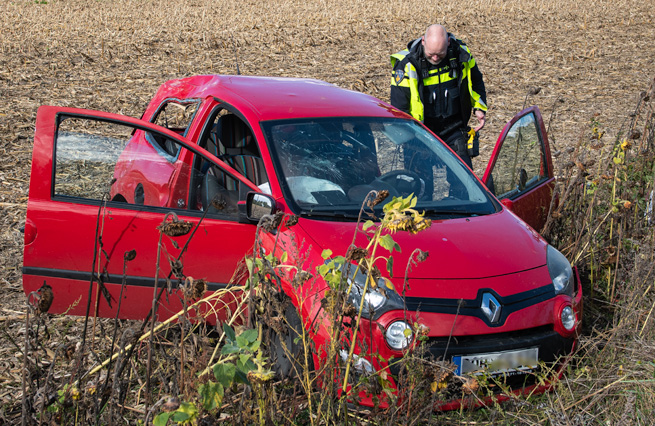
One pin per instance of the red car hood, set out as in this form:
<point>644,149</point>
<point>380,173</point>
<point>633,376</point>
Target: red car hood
<point>466,248</point>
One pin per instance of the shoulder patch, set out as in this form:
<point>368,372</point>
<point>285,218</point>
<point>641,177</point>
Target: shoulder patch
<point>398,75</point>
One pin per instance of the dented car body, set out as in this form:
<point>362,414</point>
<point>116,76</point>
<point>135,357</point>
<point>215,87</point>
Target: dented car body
<point>213,150</point>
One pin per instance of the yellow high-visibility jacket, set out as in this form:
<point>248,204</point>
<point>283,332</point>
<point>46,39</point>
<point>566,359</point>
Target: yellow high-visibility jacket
<point>446,92</point>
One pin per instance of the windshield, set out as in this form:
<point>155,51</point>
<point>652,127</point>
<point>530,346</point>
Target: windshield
<point>327,166</point>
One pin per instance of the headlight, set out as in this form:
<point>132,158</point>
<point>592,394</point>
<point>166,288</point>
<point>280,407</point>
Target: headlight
<point>399,335</point>
<point>560,271</point>
<point>376,300</point>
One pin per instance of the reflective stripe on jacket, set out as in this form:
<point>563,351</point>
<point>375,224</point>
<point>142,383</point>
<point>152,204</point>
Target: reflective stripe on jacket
<point>445,92</point>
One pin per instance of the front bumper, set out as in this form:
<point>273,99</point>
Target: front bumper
<point>536,326</point>
<point>552,349</point>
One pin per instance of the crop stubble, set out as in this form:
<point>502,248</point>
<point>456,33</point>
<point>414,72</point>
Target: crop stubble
<point>591,58</point>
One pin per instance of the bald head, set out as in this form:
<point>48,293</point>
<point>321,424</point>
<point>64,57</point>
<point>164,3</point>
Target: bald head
<point>435,43</point>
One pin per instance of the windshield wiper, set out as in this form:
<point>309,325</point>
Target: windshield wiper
<point>453,212</point>
<point>329,213</point>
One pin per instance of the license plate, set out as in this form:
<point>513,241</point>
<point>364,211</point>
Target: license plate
<point>508,362</point>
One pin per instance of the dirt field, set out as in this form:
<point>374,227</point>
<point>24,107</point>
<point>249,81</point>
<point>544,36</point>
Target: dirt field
<point>591,58</point>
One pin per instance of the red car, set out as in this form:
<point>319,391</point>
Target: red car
<point>226,147</point>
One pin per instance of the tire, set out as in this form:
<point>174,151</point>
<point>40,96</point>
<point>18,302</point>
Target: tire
<point>286,349</point>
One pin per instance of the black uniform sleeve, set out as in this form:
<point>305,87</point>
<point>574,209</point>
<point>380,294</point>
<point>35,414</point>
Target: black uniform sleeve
<point>477,83</point>
<point>400,98</point>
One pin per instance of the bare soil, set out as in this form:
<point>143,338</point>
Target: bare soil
<point>591,60</point>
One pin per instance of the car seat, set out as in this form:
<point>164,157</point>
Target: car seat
<point>215,198</point>
<point>237,147</point>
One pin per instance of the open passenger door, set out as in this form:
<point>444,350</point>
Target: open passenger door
<point>520,171</point>
<point>101,186</point>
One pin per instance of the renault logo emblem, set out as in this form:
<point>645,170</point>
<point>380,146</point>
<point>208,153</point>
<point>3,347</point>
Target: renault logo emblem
<point>491,307</point>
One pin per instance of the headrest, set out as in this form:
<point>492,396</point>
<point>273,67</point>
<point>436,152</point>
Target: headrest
<point>232,131</point>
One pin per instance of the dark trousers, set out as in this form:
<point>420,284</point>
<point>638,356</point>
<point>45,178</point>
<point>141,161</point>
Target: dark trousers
<point>454,133</point>
<point>457,141</point>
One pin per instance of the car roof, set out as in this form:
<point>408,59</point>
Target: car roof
<point>274,98</point>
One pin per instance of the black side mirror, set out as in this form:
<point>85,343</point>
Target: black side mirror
<point>259,205</point>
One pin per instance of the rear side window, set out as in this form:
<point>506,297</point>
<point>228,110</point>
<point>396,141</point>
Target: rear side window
<point>175,115</point>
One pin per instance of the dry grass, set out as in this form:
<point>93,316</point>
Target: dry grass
<point>591,60</point>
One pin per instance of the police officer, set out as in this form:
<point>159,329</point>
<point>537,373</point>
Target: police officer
<point>437,81</point>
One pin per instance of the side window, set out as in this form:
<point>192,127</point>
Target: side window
<point>520,164</point>
<point>86,153</point>
<point>177,116</point>
<point>229,138</point>
<point>97,160</point>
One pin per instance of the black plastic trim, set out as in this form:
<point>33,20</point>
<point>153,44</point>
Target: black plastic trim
<point>472,307</point>
<point>107,278</point>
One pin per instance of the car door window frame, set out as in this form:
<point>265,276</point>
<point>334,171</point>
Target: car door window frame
<point>546,167</point>
<point>147,127</point>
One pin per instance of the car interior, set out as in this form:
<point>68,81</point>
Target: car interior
<point>231,140</point>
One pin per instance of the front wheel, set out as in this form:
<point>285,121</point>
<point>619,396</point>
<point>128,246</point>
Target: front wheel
<point>286,347</point>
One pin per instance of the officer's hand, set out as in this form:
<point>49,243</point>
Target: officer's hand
<point>481,120</point>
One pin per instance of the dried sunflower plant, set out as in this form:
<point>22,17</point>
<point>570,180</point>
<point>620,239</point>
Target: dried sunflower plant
<point>246,354</point>
<point>604,223</point>
<point>345,376</point>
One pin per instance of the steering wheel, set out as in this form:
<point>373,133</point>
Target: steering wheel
<point>404,181</point>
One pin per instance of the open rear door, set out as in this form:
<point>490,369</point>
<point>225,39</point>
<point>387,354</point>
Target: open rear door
<point>520,171</point>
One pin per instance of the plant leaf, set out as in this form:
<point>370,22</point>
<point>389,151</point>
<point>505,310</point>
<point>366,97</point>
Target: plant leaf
<point>255,345</point>
<point>211,395</point>
<point>388,243</point>
<point>390,266</point>
<point>229,332</point>
<point>229,349</point>
<point>224,373</point>
<point>240,376</point>
<point>249,335</point>
<point>389,284</point>
<point>162,418</point>
<point>245,364</point>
